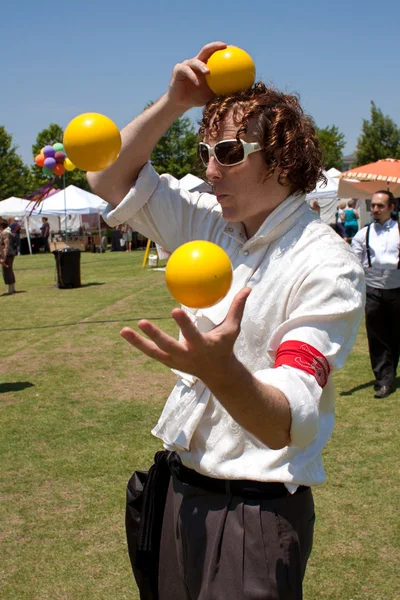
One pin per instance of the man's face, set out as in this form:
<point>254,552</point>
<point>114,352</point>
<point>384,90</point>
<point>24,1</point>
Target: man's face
<point>381,208</point>
<point>242,191</point>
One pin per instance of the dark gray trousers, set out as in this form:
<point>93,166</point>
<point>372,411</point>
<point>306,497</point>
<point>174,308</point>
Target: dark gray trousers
<point>216,546</point>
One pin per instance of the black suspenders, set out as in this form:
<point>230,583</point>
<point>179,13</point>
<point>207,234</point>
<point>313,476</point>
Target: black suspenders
<point>368,248</point>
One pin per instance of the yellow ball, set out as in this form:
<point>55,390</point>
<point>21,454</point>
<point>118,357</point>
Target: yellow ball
<point>92,142</point>
<point>231,70</point>
<point>199,274</point>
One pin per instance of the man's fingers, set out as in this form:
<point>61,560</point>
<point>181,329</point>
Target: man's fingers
<point>189,331</point>
<point>164,341</point>
<point>144,345</point>
<point>183,71</point>
<point>197,65</point>
<point>209,49</point>
<point>235,313</point>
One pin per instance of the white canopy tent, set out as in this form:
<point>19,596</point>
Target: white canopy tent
<point>64,203</point>
<point>72,201</point>
<point>13,207</point>
<point>327,197</point>
<point>194,184</point>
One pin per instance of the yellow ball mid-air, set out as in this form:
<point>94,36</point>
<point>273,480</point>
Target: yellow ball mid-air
<point>231,70</point>
<point>199,274</point>
<point>92,142</point>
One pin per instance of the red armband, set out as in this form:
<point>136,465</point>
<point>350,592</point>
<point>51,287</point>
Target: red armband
<point>304,357</point>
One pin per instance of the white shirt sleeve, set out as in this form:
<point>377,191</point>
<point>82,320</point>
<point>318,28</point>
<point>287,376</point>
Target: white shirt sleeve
<point>162,211</point>
<point>358,244</point>
<point>325,313</point>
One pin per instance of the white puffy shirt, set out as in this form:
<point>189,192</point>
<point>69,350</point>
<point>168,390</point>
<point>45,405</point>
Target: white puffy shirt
<point>384,246</point>
<point>307,286</point>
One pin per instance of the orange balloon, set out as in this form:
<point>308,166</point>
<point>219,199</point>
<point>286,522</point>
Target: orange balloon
<point>39,160</point>
<point>231,70</point>
<point>92,142</point>
<point>199,274</point>
<point>59,169</point>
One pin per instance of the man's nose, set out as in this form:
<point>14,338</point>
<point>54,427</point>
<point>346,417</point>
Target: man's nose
<point>213,170</point>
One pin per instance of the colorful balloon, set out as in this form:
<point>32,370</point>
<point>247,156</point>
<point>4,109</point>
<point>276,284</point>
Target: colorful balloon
<point>58,147</point>
<point>59,169</point>
<point>39,160</point>
<point>92,141</point>
<point>47,171</point>
<point>48,151</point>
<point>199,274</point>
<point>49,162</point>
<point>69,165</point>
<point>231,70</point>
<point>60,157</point>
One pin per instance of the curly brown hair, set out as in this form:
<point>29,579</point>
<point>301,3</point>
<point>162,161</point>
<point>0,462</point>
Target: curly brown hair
<point>287,136</point>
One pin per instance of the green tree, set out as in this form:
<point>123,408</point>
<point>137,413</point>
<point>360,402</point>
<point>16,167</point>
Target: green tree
<point>51,135</point>
<point>332,142</point>
<point>380,138</point>
<point>14,174</point>
<point>176,151</point>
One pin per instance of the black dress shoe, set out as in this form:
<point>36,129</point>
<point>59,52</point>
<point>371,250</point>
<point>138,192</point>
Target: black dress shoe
<point>384,391</point>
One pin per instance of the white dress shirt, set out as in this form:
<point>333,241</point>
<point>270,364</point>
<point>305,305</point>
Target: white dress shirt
<point>384,244</point>
<point>307,285</point>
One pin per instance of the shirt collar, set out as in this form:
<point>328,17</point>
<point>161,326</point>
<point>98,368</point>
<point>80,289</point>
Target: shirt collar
<point>386,225</point>
<point>283,218</point>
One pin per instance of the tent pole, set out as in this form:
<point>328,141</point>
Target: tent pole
<point>99,227</point>
<point>26,222</point>
<point>65,210</point>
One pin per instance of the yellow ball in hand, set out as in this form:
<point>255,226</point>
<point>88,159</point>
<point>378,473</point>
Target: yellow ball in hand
<point>199,274</point>
<point>92,142</point>
<point>231,70</point>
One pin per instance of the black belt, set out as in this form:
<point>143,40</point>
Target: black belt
<point>233,487</point>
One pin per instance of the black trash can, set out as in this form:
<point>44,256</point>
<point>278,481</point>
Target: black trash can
<point>68,267</point>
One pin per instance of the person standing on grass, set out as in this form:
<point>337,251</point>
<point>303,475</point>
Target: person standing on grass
<point>45,230</point>
<point>350,218</point>
<point>378,247</point>
<point>8,250</point>
<point>227,508</point>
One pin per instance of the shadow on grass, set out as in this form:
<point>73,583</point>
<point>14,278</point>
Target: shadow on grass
<point>17,292</point>
<point>366,385</point>
<point>15,386</point>
<point>83,285</point>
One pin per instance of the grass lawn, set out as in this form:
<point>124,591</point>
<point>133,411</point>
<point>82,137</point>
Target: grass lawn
<point>77,405</point>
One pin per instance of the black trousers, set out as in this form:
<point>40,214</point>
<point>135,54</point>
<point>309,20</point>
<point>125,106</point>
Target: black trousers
<point>382,319</point>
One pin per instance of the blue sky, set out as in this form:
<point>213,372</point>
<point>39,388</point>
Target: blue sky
<point>63,58</point>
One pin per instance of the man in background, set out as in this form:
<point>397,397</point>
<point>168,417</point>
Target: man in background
<point>377,246</point>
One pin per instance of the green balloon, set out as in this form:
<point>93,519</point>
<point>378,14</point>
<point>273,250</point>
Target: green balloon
<point>58,147</point>
<point>47,171</point>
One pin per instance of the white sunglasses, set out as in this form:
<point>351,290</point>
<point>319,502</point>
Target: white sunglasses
<point>227,152</point>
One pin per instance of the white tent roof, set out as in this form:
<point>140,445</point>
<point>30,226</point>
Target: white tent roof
<point>194,184</point>
<point>334,173</point>
<point>324,192</point>
<point>13,207</point>
<point>75,201</point>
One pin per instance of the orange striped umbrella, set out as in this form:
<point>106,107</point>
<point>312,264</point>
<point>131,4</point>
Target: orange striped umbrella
<point>362,182</point>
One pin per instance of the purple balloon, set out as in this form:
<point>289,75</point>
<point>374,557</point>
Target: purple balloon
<point>60,157</point>
<point>49,162</point>
<point>49,151</point>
